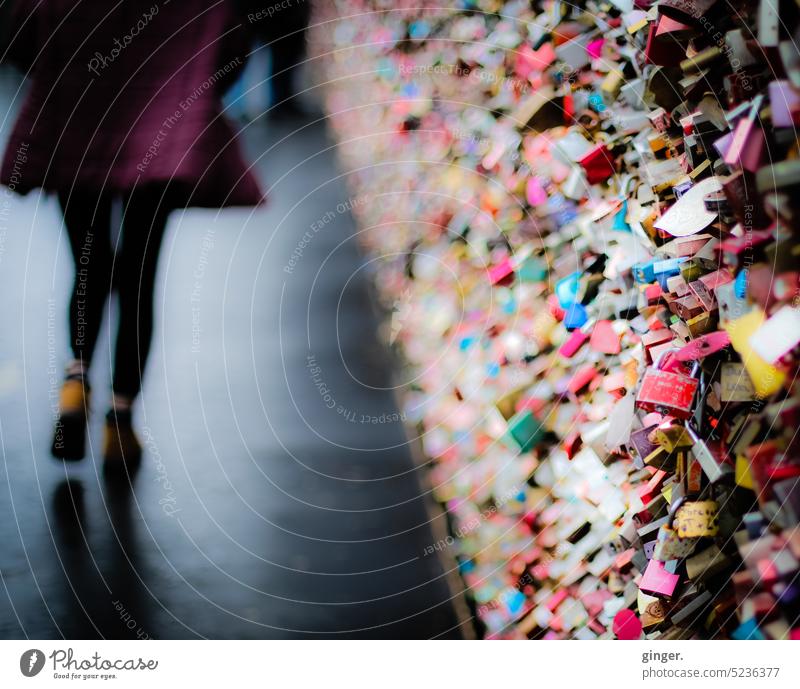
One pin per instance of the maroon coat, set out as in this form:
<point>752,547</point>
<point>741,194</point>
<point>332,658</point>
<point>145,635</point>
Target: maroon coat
<point>127,93</point>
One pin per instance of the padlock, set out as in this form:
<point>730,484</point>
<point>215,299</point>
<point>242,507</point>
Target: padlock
<point>713,467</point>
<point>524,430</point>
<point>689,472</point>
<point>670,545</point>
<point>707,564</point>
<point>661,47</point>
<point>660,120</point>
<point>703,295</point>
<point>701,325</point>
<point>702,347</point>
<point>655,338</point>
<point>735,383</point>
<point>654,613</point>
<point>687,307</point>
<point>695,607</point>
<point>658,581</point>
<point>694,518</point>
<point>668,392</point>
<point>671,438</point>
<point>644,449</point>
<point>598,163</point>
<point>747,145</point>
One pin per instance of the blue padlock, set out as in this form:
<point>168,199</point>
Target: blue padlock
<point>643,272</point>
<point>575,317</point>
<point>567,289</point>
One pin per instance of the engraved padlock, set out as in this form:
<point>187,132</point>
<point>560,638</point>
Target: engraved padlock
<point>668,392</point>
<point>693,518</point>
<point>670,545</point>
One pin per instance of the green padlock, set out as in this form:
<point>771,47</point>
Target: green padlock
<point>525,430</point>
<point>533,269</point>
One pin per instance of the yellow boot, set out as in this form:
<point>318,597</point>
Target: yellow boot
<point>69,437</point>
<point>122,450</point>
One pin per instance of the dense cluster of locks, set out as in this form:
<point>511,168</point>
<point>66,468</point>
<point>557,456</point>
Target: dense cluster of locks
<point>588,212</point>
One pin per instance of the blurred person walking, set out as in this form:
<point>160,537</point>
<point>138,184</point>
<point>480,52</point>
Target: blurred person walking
<point>282,28</point>
<point>124,107</point>
<point>269,83</point>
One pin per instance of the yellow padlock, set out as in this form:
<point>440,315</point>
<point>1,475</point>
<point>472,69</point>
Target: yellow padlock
<point>697,519</point>
<point>767,379</point>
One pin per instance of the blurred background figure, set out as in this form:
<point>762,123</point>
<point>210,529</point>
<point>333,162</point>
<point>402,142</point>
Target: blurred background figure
<point>124,124</point>
<point>269,82</point>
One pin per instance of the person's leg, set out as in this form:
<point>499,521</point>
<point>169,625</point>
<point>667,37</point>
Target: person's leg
<point>87,218</point>
<point>143,224</point>
<point>287,46</point>
<point>144,221</point>
<point>87,221</point>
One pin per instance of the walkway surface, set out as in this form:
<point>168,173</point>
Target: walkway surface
<point>269,505</point>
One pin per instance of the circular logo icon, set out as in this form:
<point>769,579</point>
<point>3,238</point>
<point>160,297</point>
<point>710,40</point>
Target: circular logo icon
<point>31,662</point>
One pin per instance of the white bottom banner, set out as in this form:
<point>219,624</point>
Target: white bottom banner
<point>355,664</point>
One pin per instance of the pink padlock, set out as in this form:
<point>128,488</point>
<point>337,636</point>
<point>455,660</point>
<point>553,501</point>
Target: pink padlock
<point>657,581</point>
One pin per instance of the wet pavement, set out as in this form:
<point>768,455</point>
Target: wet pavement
<point>278,497</point>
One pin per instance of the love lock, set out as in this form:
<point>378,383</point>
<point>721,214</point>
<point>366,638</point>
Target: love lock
<point>691,519</point>
<point>671,546</point>
<point>668,392</point>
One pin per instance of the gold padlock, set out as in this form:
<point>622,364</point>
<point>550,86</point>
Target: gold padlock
<point>671,438</point>
<point>696,519</point>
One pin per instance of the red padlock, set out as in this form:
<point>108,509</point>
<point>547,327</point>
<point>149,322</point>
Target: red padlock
<point>668,391</point>
<point>598,164</point>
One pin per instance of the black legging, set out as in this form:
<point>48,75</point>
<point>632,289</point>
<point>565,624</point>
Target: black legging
<point>131,273</point>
